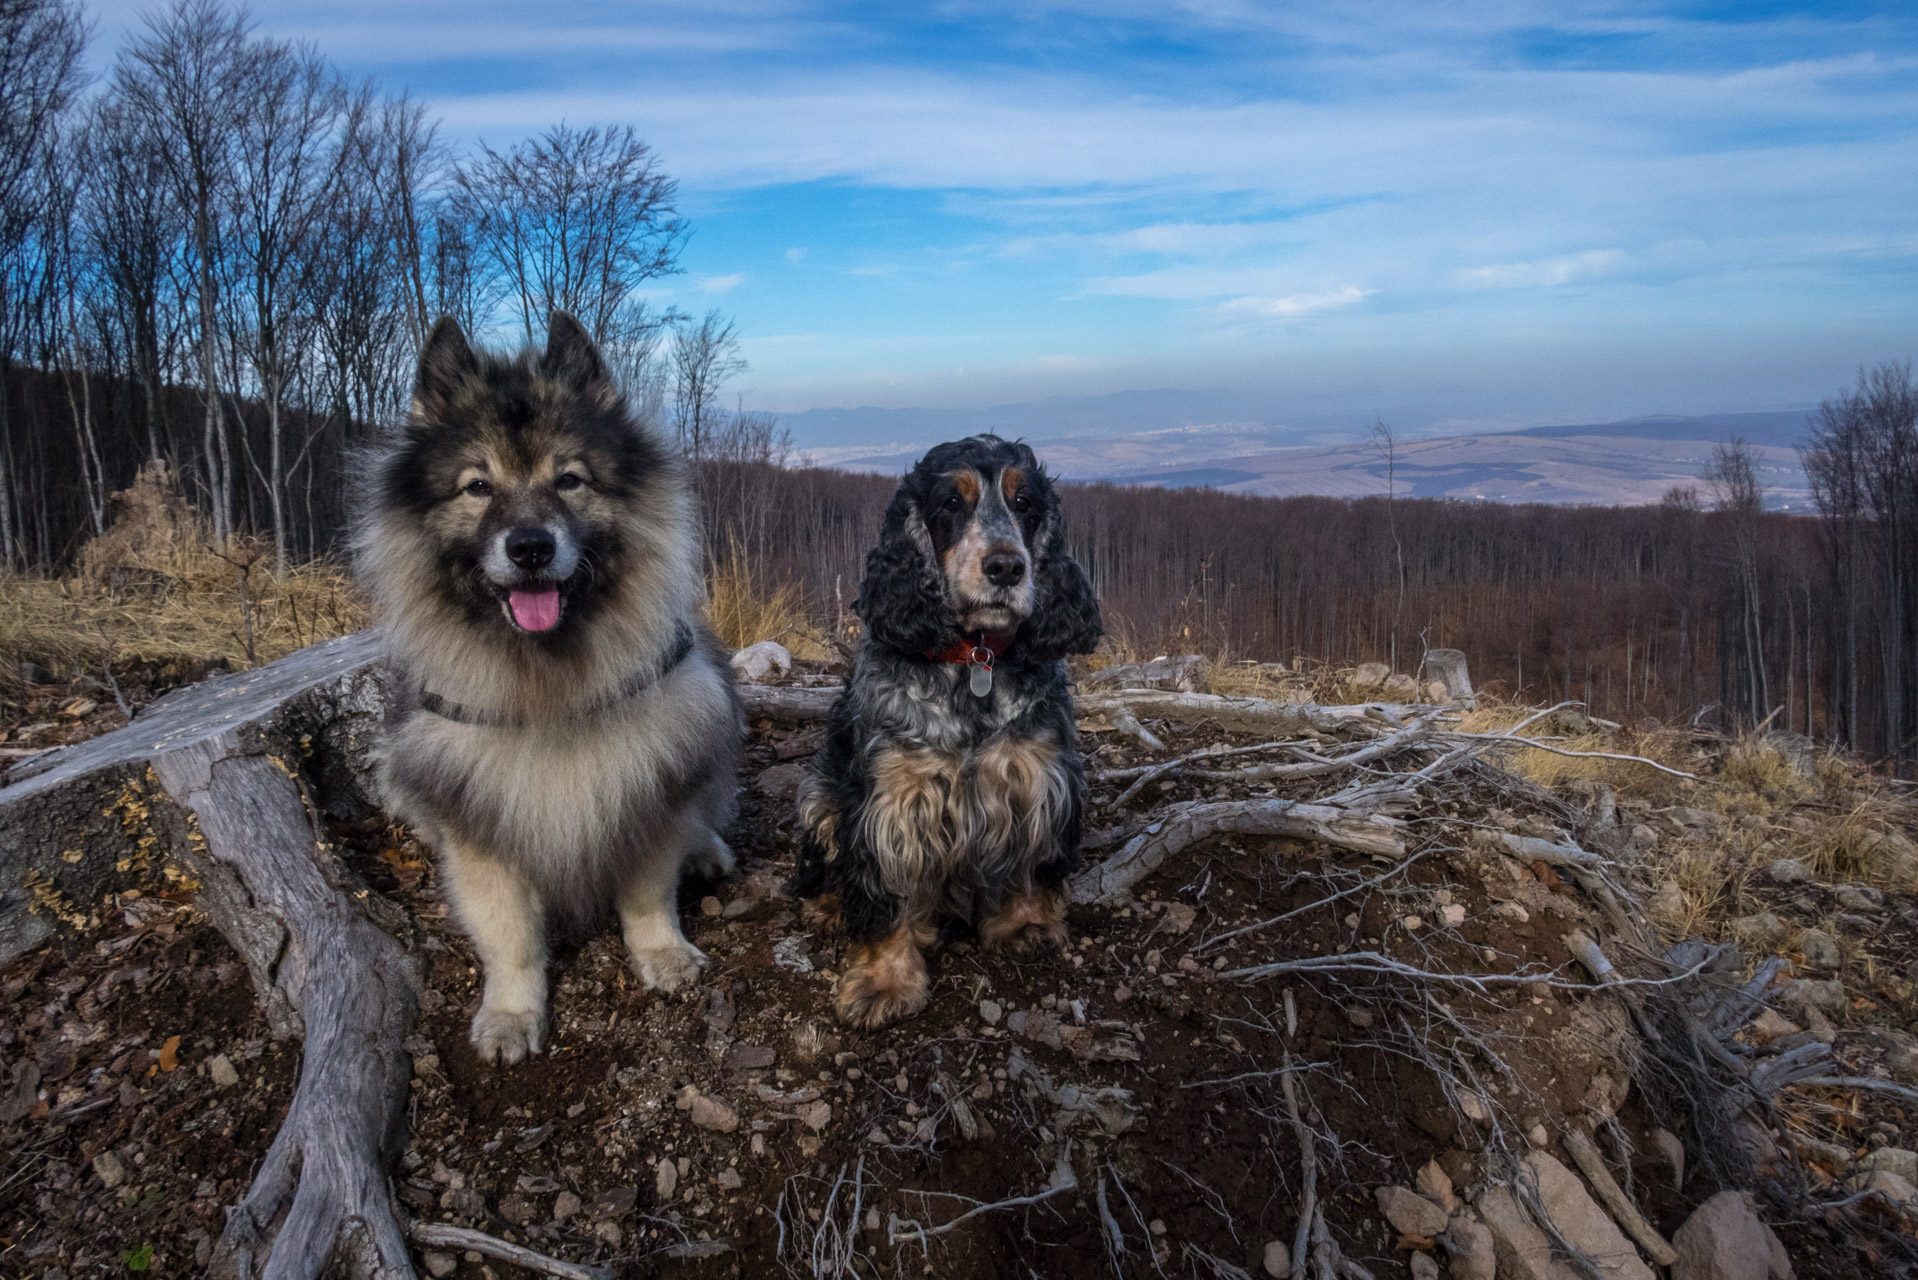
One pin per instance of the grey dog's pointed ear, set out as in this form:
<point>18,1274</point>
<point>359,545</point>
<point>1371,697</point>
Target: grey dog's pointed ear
<point>572,359</point>
<point>446,364</point>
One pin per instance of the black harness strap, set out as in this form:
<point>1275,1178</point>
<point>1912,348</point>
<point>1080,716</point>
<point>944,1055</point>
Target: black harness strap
<point>633,685</point>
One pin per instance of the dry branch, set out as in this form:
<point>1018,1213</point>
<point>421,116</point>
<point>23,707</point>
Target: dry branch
<point>1249,715</point>
<point>1585,1155</point>
<point>1181,825</point>
<point>442,1236</point>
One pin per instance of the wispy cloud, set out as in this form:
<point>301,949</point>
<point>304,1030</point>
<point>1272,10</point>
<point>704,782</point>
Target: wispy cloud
<point>1296,305</point>
<point>722,284</point>
<point>1545,271</point>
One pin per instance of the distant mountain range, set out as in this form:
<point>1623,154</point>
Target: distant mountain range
<point>1233,442</point>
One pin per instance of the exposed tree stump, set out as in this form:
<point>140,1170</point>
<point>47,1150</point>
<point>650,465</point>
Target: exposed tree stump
<point>222,787</point>
<point>1447,666</point>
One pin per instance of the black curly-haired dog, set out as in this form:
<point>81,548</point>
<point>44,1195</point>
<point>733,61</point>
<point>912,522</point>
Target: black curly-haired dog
<point>950,787</point>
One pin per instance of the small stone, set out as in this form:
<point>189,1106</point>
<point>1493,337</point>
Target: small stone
<point>1820,1027</point>
<point>1411,923</point>
<point>1667,1144</point>
<point>1473,1254</point>
<point>1858,897</point>
<point>1475,1108</point>
<point>1537,1136</point>
<point>1511,911</point>
<point>1724,1239</point>
<point>516,1209</point>
<point>1434,1185</point>
<point>1821,950</point>
<point>665,1178</point>
<point>615,1203</point>
<point>440,1264</point>
<point>711,1113</point>
<point>1278,1259</point>
<point>1763,930</point>
<point>990,1011</point>
<point>220,1069</point>
<point>729,1179</point>
<point>1423,1267</point>
<point>1667,903</point>
<point>1454,915</point>
<point>1770,1024</point>
<point>610,1233</point>
<point>738,907</point>
<point>750,1057</point>
<point>710,906</point>
<point>1893,1186</point>
<point>816,1115</point>
<point>112,1172</point>
<point>1178,917</point>
<point>1788,871</point>
<point>1812,993</point>
<point>1409,1213</point>
<point>565,1205</point>
<point>1896,1160</point>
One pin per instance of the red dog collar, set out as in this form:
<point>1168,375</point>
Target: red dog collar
<point>968,650</point>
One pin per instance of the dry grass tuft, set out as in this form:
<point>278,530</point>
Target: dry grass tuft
<point>744,609</point>
<point>1577,733</point>
<point>155,589</point>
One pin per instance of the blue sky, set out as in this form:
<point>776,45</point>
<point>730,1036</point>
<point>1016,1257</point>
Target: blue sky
<point>1517,212</point>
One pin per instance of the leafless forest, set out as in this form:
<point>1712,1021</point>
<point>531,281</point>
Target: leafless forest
<point>224,253</point>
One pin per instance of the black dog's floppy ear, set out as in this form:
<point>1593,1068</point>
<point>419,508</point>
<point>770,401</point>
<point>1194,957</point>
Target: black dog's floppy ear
<point>1065,613</point>
<point>572,359</point>
<point>446,364</point>
<point>902,598</point>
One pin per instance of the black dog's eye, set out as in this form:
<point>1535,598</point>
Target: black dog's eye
<point>955,503</point>
<point>1021,503</point>
<point>567,482</point>
<point>479,488</point>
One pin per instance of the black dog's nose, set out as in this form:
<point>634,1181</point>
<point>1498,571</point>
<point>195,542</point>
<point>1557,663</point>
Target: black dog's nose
<point>530,547</point>
<point>1005,568</point>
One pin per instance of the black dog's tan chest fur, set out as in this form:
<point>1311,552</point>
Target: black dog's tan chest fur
<point>931,812</point>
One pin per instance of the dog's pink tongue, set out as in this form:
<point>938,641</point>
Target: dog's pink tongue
<point>535,608</point>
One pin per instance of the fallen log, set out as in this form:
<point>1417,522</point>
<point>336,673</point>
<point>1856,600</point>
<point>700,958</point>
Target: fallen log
<point>1249,715</point>
<point>220,788</point>
<point>1181,825</point>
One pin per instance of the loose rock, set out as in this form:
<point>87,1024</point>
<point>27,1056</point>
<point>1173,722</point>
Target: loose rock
<point>1469,1242</point>
<point>1434,1185</point>
<point>1278,1259</point>
<point>565,1205</point>
<point>1525,1252</point>
<point>1788,871</point>
<point>665,1179</point>
<point>440,1264</point>
<point>1821,950</point>
<point>1725,1239</point>
<point>1409,1213</point>
<point>219,1068</point>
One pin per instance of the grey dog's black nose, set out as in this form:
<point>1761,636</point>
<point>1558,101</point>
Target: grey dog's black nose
<point>1005,568</point>
<point>530,547</point>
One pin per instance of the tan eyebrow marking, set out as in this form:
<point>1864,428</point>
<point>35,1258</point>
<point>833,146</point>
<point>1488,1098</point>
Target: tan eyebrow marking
<point>967,483</point>
<point>1010,481</point>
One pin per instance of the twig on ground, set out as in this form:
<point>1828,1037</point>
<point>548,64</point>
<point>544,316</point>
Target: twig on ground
<point>438,1235</point>
<point>905,1230</point>
<point>1508,739</point>
<point>1125,722</point>
<point>1585,1155</point>
<point>1363,885</point>
<point>1860,1082</point>
<point>1375,962</point>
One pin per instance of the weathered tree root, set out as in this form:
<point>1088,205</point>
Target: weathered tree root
<point>208,780</point>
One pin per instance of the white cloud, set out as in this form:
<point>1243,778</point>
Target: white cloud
<point>722,284</point>
<point>1296,305</point>
<point>1543,272</point>
<point>796,256</point>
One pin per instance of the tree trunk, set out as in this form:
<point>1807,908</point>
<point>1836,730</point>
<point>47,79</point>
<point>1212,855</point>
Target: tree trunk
<point>211,779</point>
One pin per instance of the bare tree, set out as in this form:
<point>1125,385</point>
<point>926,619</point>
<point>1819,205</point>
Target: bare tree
<point>705,357</point>
<point>288,162</point>
<point>1739,498</point>
<point>40,46</point>
<point>574,220</point>
<point>186,78</point>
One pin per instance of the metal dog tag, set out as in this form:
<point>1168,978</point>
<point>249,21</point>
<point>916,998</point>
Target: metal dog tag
<point>981,679</point>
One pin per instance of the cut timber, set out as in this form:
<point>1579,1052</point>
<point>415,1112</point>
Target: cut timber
<point>1180,825</point>
<point>224,783</point>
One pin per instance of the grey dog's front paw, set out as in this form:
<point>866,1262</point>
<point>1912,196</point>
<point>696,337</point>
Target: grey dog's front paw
<point>506,1035</point>
<point>669,970</point>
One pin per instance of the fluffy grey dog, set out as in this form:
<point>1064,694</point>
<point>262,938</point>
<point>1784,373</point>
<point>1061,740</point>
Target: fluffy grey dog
<point>568,732</point>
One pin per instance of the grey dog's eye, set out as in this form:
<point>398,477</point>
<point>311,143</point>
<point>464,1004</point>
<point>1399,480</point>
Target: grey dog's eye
<point>1022,504</point>
<point>567,482</point>
<point>955,503</point>
<point>479,488</point>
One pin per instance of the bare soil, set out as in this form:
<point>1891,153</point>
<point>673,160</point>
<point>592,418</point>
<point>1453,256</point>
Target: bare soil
<point>741,1132</point>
